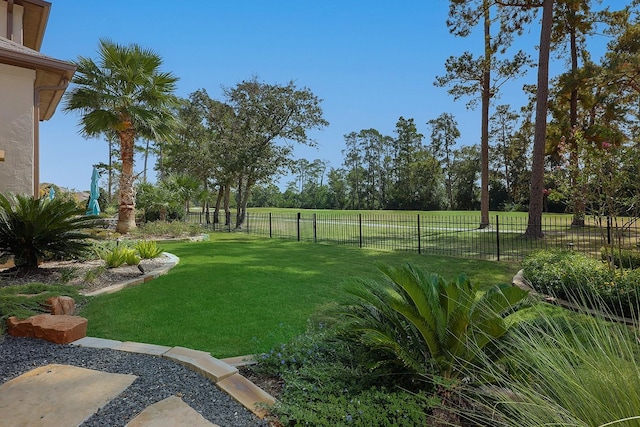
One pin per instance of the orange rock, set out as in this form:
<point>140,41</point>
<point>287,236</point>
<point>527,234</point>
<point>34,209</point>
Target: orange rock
<point>61,305</point>
<point>60,329</point>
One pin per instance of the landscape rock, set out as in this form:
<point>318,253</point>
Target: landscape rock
<point>60,329</point>
<point>61,305</point>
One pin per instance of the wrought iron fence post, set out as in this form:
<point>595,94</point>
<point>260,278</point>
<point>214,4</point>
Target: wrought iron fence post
<point>360,227</point>
<point>419,243</point>
<point>498,237</point>
<point>246,215</point>
<point>298,226</point>
<point>315,234</point>
<point>270,227</point>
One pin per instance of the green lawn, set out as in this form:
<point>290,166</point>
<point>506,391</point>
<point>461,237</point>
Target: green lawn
<point>238,294</point>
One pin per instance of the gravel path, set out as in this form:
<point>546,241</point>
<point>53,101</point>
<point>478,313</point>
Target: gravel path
<point>158,379</point>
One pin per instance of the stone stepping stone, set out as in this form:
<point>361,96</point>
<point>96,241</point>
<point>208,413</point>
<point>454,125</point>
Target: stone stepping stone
<point>58,395</point>
<point>170,412</point>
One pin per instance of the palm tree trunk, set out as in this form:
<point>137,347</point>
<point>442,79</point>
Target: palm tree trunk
<point>110,180</point>
<point>127,207</point>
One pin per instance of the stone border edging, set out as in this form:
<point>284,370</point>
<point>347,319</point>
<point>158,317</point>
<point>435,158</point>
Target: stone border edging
<point>520,281</point>
<point>199,238</point>
<point>224,375</point>
<point>173,261</point>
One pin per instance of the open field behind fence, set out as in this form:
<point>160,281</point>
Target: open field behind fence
<point>450,235</point>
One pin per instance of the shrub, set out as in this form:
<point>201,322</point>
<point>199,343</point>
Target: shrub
<point>92,275</point>
<point>131,257</point>
<point>35,230</point>
<point>148,249</point>
<point>67,274</point>
<point>169,229</point>
<point>121,255</point>
<point>427,325</point>
<point>621,257</point>
<point>576,277</point>
<point>424,322</point>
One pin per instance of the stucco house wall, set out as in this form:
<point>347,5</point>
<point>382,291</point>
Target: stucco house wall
<point>31,87</point>
<point>16,129</point>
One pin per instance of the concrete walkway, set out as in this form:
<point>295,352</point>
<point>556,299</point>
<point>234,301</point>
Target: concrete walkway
<point>66,396</point>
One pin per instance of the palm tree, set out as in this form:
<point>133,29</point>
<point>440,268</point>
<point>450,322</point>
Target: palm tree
<point>429,325</point>
<point>126,93</point>
<point>34,230</point>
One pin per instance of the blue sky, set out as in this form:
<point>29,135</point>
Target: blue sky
<point>370,61</point>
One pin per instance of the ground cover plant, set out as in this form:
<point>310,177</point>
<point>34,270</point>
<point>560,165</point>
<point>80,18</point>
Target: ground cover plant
<point>237,294</point>
<point>28,300</point>
<point>584,280</point>
<point>330,381</point>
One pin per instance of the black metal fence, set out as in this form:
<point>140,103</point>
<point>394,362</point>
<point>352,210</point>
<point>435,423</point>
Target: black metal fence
<point>458,236</point>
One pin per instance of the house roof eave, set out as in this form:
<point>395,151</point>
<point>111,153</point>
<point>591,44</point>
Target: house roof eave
<point>50,72</point>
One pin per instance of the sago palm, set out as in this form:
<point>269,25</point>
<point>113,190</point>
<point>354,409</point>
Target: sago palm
<point>33,230</point>
<point>124,92</point>
<point>427,323</point>
<point>433,327</point>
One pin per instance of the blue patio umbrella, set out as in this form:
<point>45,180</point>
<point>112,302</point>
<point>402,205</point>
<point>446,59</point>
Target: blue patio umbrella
<point>94,207</point>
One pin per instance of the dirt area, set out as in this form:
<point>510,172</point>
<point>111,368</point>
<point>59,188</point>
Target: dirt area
<point>88,276</point>
<point>271,385</point>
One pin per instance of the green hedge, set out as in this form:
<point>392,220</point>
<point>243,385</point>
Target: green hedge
<point>625,257</point>
<point>576,277</point>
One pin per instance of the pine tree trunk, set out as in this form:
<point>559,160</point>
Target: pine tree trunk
<point>534,226</point>
<point>578,202</point>
<point>484,143</point>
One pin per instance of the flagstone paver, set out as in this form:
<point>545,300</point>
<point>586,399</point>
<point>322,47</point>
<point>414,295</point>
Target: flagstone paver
<point>93,342</point>
<point>58,395</point>
<point>170,412</point>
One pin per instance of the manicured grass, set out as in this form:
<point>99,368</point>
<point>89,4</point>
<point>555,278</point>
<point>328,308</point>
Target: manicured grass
<point>238,294</point>
<point>436,233</point>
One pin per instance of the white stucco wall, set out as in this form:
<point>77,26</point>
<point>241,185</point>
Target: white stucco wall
<point>16,129</point>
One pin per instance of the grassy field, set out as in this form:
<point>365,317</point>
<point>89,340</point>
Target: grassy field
<point>441,233</point>
<point>238,294</point>
<point>437,233</point>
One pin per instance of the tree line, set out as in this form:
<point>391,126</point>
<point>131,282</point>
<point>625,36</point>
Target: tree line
<point>403,172</point>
